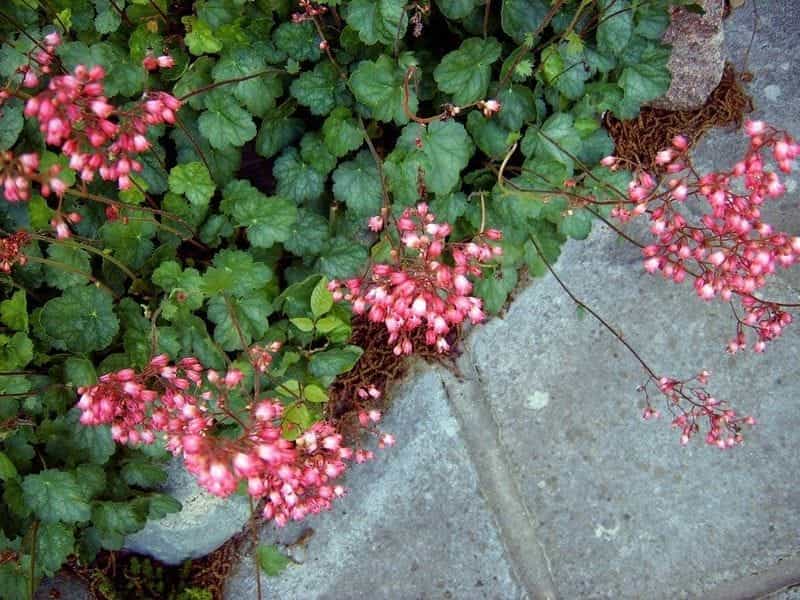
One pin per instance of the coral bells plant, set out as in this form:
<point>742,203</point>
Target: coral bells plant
<point>194,204</point>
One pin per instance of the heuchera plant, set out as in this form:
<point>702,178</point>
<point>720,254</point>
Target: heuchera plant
<point>198,197</point>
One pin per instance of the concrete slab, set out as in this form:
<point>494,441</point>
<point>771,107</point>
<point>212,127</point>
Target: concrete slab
<point>414,524</point>
<point>623,510</point>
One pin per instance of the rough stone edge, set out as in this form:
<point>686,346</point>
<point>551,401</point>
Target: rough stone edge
<point>498,484</point>
<point>781,576</point>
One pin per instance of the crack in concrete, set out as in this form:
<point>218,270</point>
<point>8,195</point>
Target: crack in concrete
<point>482,437</point>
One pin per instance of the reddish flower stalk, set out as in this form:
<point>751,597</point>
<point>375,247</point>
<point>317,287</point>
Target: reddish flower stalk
<point>690,403</point>
<point>730,252</point>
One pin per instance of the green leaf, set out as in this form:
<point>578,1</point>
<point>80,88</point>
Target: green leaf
<point>376,21</point>
<point>7,469</point>
<point>115,520</point>
<point>304,324</point>
<point>14,311</point>
<point>215,229</point>
<point>522,17</point>
<point>577,224</point>
<point>518,106</point>
<point>195,341</point>
<point>299,40</point>
<point>596,146</point>
<point>125,78</point>
<point>465,73</point>
<point>162,505</point>
<point>549,240</point>
<point>314,152</point>
<point>73,259</point>
<point>570,80</point>
<point>615,25</point>
<point>556,139</point>
<point>79,372</point>
<point>13,580</point>
<point>495,287</point>
<point>184,287</point>
<point>448,208</point>
<point>651,21</point>
<point>235,272</point>
<point>341,132</point>
<point>321,90</point>
<point>81,320</point>
<point>309,234</point>
<point>131,241</point>
<point>334,362</point>
<point>95,443</point>
<point>55,495</point>
<point>647,78</point>
<point>143,474</point>
<point>200,38</point>
<point>378,85</point>
<point>107,20</point>
<point>193,180</point>
<point>487,134</point>
<point>271,560</point>
<point>239,320</point>
<point>15,353</point>
<point>341,258</point>
<point>258,94</point>
<point>142,40</point>
<point>457,9</point>
<point>297,180</point>
<point>91,478</point>
<point>268,219</point>
<point>54,543</point>
<point>11,123</point>
<point>40,213</point>
<point>314,393</point>
<point>358,184</point>
<point>439,152</point>
<point>277,132</point>
<point>321,299</point>
<point>224,123</point>
<point>196,77</point>
<point>222,162</point>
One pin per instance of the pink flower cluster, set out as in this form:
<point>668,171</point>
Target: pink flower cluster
<point>152,62</point>
<point>183,402</point>
<point>40,60</point>
<point>730,251</point>
<point>15,173</point>
<point>11,250</point>
<point>98,137</point>
<point>419,288</point>
<point>690,403</point>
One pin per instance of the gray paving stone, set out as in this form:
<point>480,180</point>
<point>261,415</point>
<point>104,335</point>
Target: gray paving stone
<point>204,523</point>
<point>623,510</point>
<point>414,524</point>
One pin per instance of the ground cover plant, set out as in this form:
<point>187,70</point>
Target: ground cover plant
<point>202,200</point>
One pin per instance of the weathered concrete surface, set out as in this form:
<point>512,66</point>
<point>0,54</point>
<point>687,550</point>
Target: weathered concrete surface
<point>204,523</point>
<point>698,56</point>
<point>624,511</point>
<point>414,524</point>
